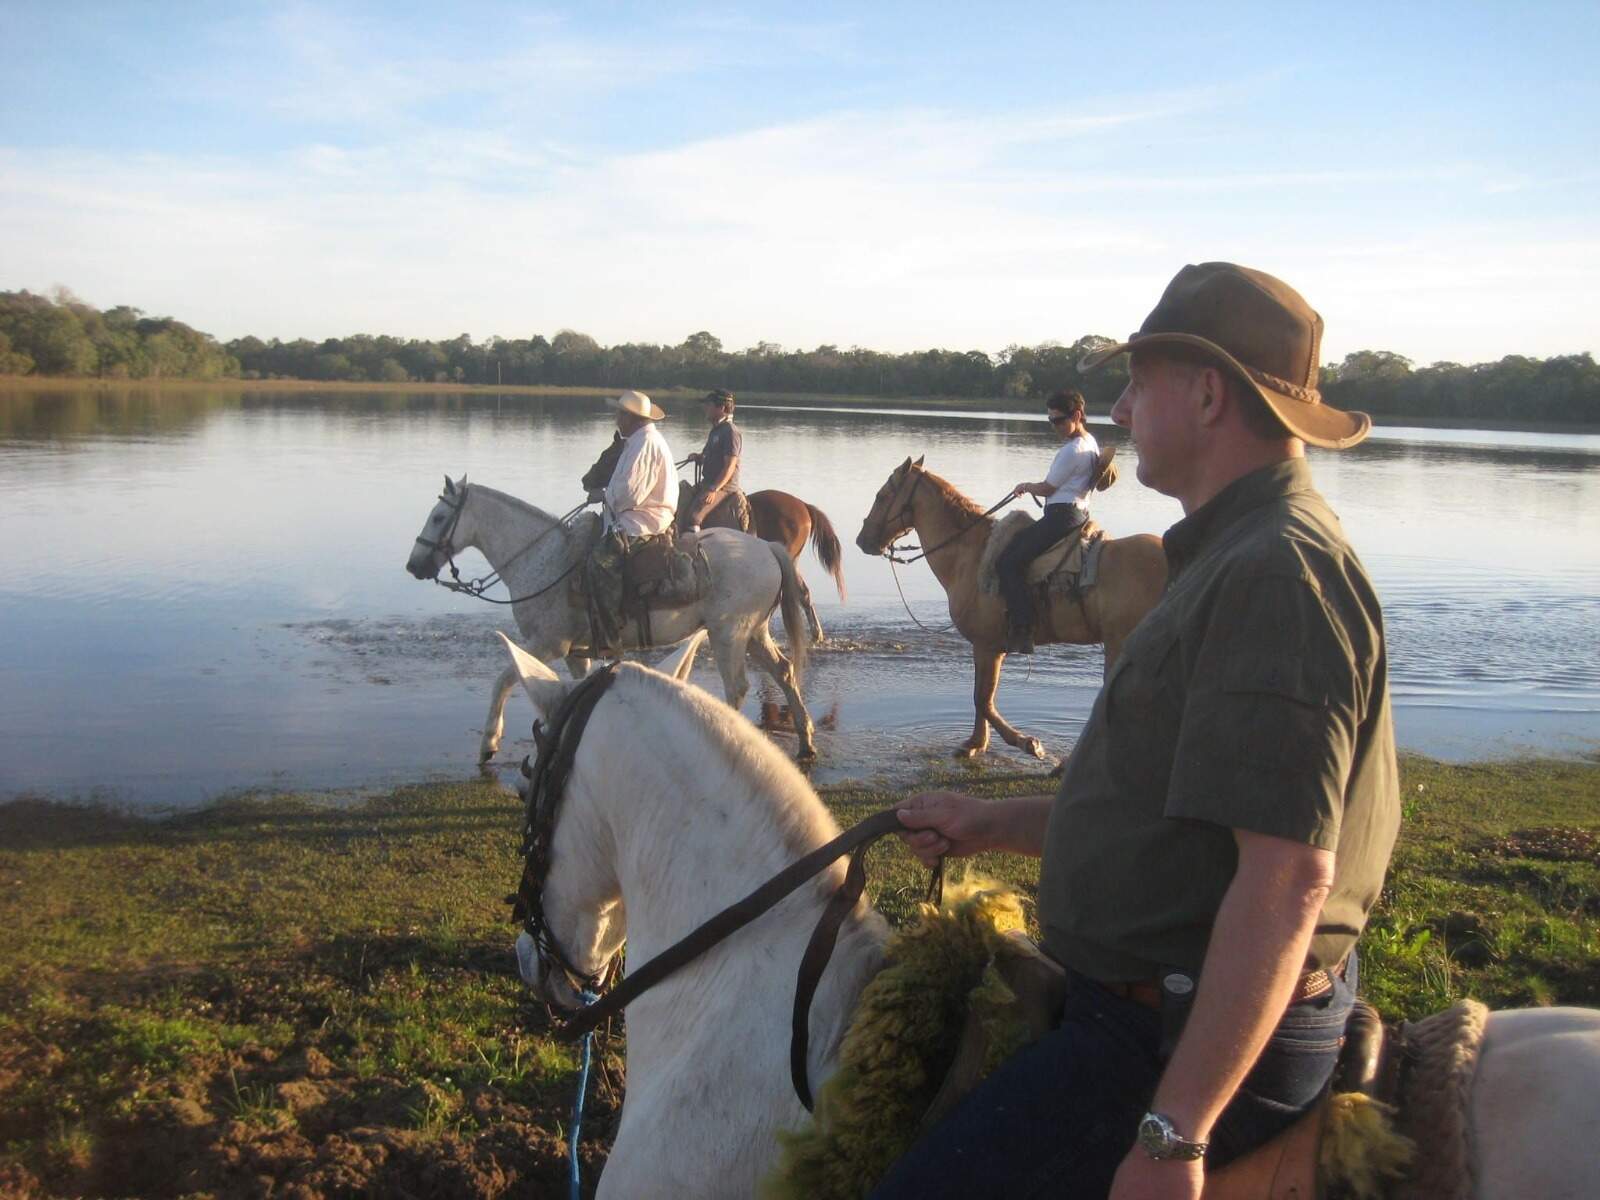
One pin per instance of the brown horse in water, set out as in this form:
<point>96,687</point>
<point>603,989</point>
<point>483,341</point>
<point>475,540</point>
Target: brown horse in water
<point>1133,570</point>
<point>776,516</point>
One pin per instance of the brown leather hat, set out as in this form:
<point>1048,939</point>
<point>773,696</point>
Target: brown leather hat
<point>1260,327</point>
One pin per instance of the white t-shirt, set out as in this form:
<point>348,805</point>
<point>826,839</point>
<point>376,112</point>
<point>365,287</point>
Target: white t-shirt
<point>643,493</point>
<point>1072,471</point>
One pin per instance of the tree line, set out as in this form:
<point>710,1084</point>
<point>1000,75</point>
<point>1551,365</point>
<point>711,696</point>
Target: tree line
<point>63,336</point>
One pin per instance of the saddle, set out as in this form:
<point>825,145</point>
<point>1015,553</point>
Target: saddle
<point>659,574</point>
<point>656,572</point>
<point>1070,566</point>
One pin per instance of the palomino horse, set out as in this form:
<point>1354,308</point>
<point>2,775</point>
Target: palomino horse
<point>777,517</point>
<point>1133,570</point>
<point>534,554</point>
<point>707,1048</point>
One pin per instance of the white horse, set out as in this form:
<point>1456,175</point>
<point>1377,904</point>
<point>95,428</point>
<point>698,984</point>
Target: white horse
<point>675,808</point>
<point>533,552</point>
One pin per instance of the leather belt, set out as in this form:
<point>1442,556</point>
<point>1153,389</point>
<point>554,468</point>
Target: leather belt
<point>1313,985</point>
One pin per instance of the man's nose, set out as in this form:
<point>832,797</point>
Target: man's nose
<point>1119,410</point>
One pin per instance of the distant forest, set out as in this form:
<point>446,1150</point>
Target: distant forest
<point>60,335</point>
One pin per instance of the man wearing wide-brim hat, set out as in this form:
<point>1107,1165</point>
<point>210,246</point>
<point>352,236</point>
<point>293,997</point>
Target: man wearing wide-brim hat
<point>1225,822</point>
<point>640,502</point>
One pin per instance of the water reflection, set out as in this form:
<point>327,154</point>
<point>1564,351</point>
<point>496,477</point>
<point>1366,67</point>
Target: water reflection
<point>206,587</point>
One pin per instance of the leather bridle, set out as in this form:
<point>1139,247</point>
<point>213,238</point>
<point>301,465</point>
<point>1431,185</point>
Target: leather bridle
<point>547,781</point>
<point>905,513</point>
<point>443,545</point>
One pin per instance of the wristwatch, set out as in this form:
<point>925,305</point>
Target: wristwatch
<point>1159,1138</point>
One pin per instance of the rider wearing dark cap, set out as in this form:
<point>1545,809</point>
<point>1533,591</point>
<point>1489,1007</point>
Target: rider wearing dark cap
<point>719,461</point>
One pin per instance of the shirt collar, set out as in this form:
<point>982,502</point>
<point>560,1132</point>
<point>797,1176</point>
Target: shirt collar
<point>1205,525</point>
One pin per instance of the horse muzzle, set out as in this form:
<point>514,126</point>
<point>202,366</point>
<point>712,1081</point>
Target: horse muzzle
<point>422,566</point>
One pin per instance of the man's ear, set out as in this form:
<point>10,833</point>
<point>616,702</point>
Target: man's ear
<point>544,686</point>
<point>681,661</point>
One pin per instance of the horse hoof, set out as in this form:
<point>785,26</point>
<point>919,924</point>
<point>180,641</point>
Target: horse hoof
<point>806,757</point>
<point>1058,770</point>
<point>1034,747</point>
<point>967,752</point>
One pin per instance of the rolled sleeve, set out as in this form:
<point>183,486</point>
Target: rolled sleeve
<point>1269,728</point>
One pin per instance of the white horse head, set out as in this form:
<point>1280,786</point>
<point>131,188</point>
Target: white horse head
<point>442,533</point>
<point>582,898</point>
<point>676,806</point>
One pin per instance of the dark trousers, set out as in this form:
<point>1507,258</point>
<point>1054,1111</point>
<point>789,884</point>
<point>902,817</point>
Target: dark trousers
<point>1055,523</point>
<point>1058,1117</point>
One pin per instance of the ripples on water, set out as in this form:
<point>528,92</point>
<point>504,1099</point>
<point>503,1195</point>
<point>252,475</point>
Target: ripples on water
<point>206,590</point>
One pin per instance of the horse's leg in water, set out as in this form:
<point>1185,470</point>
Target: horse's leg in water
<point>810,609</point>
<point>764,651</point>
<point>494,724</point>
<point>986,682</point>
<point>578,665</point>
<point>985,678</point>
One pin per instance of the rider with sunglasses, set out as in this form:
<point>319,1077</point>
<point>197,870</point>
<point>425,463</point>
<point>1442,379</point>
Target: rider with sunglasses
<point>1065,490</point>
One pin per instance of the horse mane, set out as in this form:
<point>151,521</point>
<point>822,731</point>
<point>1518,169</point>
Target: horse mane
<point>515,502</point>
<point>952,495</point>
<point>729,741</point>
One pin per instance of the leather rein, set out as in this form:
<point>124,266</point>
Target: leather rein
<point>557,748</point>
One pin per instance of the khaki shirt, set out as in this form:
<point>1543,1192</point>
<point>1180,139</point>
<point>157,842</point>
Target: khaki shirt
<point>1253,696</point>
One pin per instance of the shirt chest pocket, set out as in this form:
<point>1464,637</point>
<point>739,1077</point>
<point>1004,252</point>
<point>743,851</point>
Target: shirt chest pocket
<point>1144,705</point>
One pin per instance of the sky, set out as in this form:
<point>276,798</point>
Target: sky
<point>889,176</point>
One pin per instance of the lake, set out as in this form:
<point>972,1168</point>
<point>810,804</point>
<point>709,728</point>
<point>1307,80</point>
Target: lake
<point>206,591</point>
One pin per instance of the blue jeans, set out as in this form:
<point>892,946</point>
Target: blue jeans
<point>1058,1117</point>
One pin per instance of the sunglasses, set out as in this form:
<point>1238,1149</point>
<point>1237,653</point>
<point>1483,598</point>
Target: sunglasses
<point>1055,419</point>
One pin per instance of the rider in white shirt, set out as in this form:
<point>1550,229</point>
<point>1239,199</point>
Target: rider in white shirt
<point>642,497</point>
<point>640,502</point>
<point>1065,490</point>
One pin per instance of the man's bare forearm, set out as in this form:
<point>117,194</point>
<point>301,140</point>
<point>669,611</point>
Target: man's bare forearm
<point>1019,823</point>
<point>1257,951</point>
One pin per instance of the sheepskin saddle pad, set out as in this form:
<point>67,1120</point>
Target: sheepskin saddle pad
<point>1068,566</point>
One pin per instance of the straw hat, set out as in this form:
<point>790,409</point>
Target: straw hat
<point>639,405</point>
<point>1263,330</point>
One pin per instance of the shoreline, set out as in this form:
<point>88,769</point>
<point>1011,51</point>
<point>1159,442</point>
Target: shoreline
<point>1005,407</point>
<point>935,773</point>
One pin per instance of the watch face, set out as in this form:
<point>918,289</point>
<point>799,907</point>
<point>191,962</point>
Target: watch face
<point>1154,1135</point>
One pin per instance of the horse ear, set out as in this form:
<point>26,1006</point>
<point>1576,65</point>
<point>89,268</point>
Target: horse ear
<point>906,466</point>
<point>681,661</point>
<point>918,463</point>
<point>463,484</point>
<point>449,488</point>
<point>542,684</point>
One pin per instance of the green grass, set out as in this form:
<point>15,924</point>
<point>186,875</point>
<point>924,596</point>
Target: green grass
<point>293,968</point>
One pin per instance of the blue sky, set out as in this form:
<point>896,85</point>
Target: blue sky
<point>892,176</point>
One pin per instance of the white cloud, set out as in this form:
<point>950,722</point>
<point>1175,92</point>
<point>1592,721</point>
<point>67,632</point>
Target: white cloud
<point>891,229</point>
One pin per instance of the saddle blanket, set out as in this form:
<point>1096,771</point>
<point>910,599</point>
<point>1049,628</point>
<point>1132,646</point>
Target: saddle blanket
<point>1071,565</point>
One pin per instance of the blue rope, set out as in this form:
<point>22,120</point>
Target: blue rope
<point>577,1107</point>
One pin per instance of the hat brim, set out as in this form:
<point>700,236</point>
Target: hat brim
<point>655,413</point>
<point>1318,424</point>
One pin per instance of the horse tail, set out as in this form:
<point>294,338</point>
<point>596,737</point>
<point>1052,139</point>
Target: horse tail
<point>794,621</point>
<point>825,545</point>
